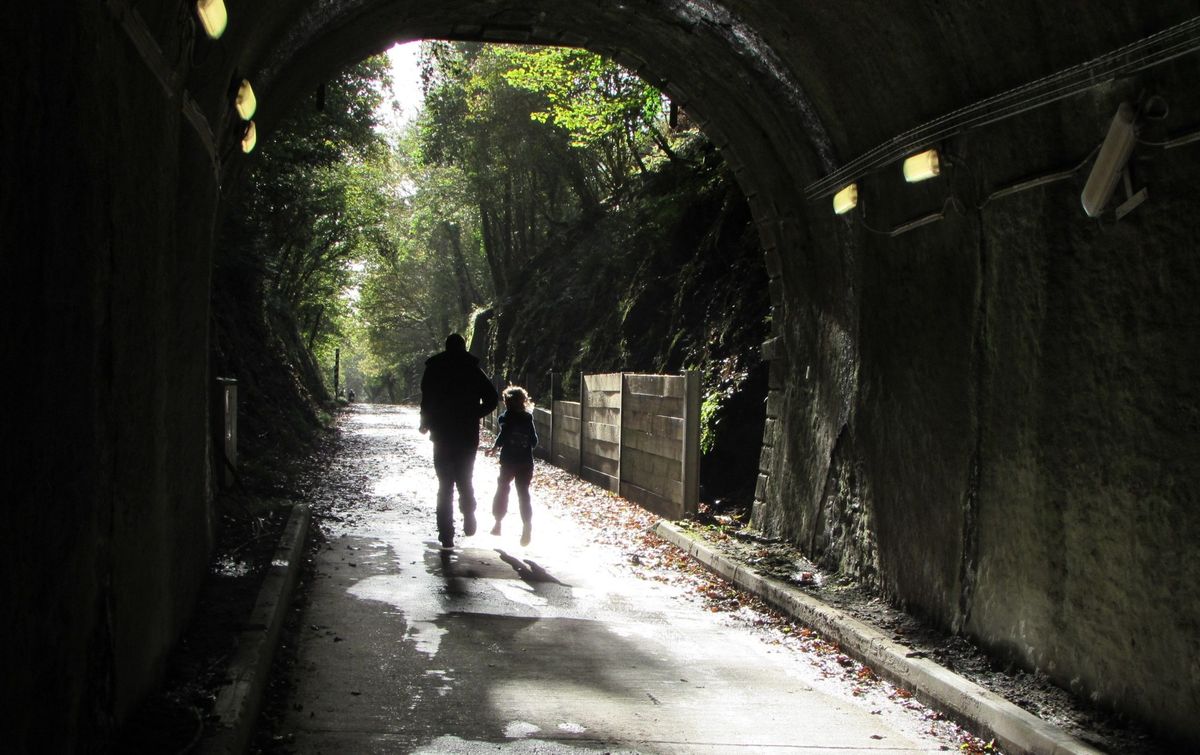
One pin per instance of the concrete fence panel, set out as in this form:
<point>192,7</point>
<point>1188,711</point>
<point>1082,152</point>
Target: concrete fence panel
<point>601,413</point>
<point>654,452</point>
<point>656,385</point>
<point>646,408</point>
<point>636,435</point>
<point>565,453</point>
<point>658,445</point>
<point>542,422</point>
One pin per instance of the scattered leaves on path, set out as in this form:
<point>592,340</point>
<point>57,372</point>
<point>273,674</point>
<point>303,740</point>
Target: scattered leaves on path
<point>628,529</point>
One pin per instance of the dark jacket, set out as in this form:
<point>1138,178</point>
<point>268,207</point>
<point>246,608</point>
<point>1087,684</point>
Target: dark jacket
<point>517,437</point>
<point>455,394</point>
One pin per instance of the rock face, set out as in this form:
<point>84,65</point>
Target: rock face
<point>993,417</point>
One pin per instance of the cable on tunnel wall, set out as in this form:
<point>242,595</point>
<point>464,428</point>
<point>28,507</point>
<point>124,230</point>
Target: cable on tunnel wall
<point>1150,51</point>
<point>152,55</point>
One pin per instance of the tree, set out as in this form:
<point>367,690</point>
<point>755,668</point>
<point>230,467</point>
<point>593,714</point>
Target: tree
<point>522,175</point>
<point>516,149</point>
<point>608,110</point>
<point>316,201</point>
<point>432,277</point>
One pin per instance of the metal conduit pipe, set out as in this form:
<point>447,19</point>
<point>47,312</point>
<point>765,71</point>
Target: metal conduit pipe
<point>1179,40</point>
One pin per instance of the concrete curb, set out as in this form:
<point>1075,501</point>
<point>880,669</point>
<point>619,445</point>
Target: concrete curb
<point>238,702</point>
<point>987,714</point>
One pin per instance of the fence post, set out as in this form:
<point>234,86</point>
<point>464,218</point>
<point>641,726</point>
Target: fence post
<point>550,453</point>
<point>691,442</point>
<point>499,383</point>
<point>582,418</point>
<point>621,437</point>
<point>229,434</point>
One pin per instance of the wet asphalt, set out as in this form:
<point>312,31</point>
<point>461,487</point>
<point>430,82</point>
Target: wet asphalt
<point>492,647</point>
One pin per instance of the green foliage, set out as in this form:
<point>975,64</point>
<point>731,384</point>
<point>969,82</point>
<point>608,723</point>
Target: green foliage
<point>536,195</point>
<point>317,198</point>
<point>607,110</point>
<point>429,280</point>
<point>379,244</point>
<point>708,421</point>
<point>491,184</point>
<point>516,148</point>
<point>520,178</point>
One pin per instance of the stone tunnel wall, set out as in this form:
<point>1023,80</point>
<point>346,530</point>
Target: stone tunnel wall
<point>993,418</point>
<point>1000,429</point>
<point>989,417</point>
<point>105,225</point>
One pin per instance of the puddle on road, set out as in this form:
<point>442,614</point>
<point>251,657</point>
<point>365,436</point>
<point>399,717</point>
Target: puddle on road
<point>423,601</point>
<point>519,593</point>
<point>452,744</point>
<point>383,499</point>
<point>413,601</point>
<point>447,685</point>
<point>520,729</point>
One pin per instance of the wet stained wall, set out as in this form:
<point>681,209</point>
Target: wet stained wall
<point>992,418</point>
<point>105,216</point>
<point>1004,401</point>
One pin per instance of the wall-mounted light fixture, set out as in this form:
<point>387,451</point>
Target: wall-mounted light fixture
<point>249,138</point>
<point>245,101</point>
<point>1110,162</point>
<point>846,199</point>
<point>213,17</point>
<point>922,166</point>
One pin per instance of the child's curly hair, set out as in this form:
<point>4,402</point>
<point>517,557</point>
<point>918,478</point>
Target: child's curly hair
<point>516,397</point>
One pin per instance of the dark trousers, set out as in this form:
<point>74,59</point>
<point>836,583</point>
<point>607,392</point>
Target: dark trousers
<point>454,465</point>
<point>522,473</point>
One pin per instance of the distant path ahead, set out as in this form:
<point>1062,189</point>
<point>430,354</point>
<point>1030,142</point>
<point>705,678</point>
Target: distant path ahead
<point>547,649</point>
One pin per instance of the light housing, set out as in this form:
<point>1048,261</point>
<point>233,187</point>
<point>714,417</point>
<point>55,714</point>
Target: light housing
<point>922,166</point>
<point>1110,162</point>
<point>213,17</point>
<point>249,138</point>
<point>846,199</point>
<point>245,102</point>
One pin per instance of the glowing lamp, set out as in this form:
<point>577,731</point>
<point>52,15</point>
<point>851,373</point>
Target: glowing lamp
<point>922,166</point>
<point>245,101</point>
<point>213,17</point>
<point>1110,162</point>
<point>846,199</point>
<point>249,138</point>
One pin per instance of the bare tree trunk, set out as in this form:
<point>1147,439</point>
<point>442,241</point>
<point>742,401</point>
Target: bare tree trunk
<point>316,326</point>
<point>491,251</point>
<point>508,225</point>
<point>661,140</point>
<point>468,296</point>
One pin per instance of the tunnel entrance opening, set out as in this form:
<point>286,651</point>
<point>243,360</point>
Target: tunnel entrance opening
<point>712,65</point>
<point>546,186</point>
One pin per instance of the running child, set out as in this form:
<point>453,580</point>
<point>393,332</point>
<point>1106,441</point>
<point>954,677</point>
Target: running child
<point>516,440</point>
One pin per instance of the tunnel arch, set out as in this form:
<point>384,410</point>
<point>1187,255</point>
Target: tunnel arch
<point>724,96</point>
<point>1005,399</point>
<point>708,60</point>
<point>788,93</point>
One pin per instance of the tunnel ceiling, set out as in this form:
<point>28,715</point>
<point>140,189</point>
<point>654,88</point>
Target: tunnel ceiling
<point>788,90</point>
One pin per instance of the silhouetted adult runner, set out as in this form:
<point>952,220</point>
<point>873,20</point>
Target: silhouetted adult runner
<point>455,395</point>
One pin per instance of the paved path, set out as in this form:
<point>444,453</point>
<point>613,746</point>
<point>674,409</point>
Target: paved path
<point>406,648</point>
